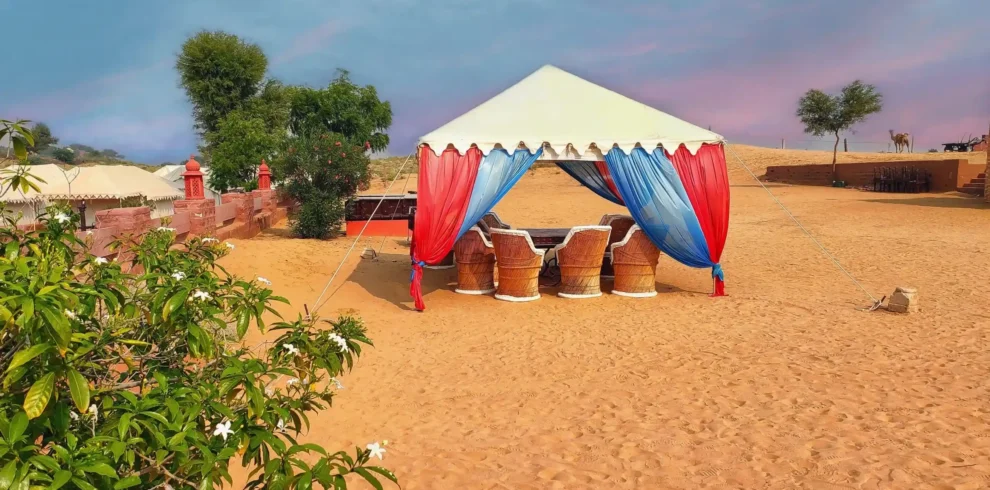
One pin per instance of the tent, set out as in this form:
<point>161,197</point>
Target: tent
<point>102,186</point>
<point>669,173</point>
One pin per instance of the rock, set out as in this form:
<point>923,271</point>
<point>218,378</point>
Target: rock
<point>904,300</point>
<point>369,253</point>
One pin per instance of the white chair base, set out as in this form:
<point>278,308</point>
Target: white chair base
<point>515,299</point>
<point>579,296</point>
<point>475,291</point>
<point>634,295</point>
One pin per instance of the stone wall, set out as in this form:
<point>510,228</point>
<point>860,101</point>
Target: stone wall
<point>195,217</point>
<point>947,175</point>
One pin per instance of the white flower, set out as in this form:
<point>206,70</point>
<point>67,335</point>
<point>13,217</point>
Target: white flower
<point>341,342</point>
<point>223,430</point>
<point>281,425</point>
<point>376,450</point>
<point>73,415</point>
<point>291,348</point>
<point>94,412</point>
<point>70,314</point>
<point>269,391</point>
<point>202,295</point>
<point>210,240</point>
<point>165,228</point>
<point>337,383</point>
<point>305,381</point>
<point>100,260</point>
<point>62,218</point>
<point>291,381</point>
<point>230,245</point>
<point>178,276</point>
<point>264,281</point>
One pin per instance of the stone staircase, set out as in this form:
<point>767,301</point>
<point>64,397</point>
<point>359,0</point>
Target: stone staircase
<point>974,187</point>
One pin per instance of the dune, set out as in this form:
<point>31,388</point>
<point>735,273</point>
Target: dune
<point>785,383</point>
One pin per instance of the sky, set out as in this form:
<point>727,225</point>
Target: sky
<point>103,73</point>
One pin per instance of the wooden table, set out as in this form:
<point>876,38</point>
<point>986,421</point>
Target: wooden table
<point>547,237</point>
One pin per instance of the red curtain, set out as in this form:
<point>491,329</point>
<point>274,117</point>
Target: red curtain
<point>445,185</point>
<point>607,177</point>
<point>707,184</point>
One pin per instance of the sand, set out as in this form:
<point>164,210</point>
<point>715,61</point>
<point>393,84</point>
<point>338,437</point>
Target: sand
<point>783,384</point>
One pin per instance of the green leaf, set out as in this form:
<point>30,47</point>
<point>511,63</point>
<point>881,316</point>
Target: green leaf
<point>38,396</point>
<point>79,388</point>
<point>83,484</point>
<point>174,302</point>
<point>60,328</point>
<point>7,474</point>
<point>18,425</point>
<point>243,318</point>
<point>61,478</point>
<point>368,476</point>
<point>383,472</point>
<point>101,469</point>
<point>127,482</point>
<point>24,356</point>
<point>157,416</point>
<point>124,424</point>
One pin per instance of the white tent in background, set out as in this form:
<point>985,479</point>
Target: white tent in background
<point>577,118</point>
<point>173,175</point>
<point>101,186</point>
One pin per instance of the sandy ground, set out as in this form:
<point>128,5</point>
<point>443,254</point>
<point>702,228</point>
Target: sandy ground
<point>783,384</point>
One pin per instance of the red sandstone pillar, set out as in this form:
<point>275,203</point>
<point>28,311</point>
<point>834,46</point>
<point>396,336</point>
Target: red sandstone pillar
<point>244,205</point>
<point>202,211</point>
<point>264,177</point>
<point>194,180</point>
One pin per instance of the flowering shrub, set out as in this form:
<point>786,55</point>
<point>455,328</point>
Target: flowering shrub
<point>322,172</point>
<point>114,379</point>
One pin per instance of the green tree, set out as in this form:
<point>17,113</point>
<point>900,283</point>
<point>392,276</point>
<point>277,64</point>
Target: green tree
<point>321,172</point>
<point>112,154</point>
<point>113,380</point>
<point>42,137</point>
<point>823,114</point>
<point>66,155</point>
<point>238,145</point>
<point>219,73</point>
<point>345,108</point>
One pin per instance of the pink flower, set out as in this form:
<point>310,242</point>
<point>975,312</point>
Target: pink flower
<point>329,162</point>
<point>338,143</point>
<point>343,154</point>
<point>367,145</point>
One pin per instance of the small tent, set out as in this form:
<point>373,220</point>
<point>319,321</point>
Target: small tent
<point>669,173</point>
<point>173,175</point>
<point>101,186</point>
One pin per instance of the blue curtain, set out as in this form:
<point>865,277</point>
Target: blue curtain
<point>587,174</point>
<point>653,192</point>
<point>497,173</point>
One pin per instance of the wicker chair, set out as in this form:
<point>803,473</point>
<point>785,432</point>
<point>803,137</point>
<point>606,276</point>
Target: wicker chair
<point>494,222</point>
<point>475,257</point>
<point>635,262</point>
<point>580,261</point>
<point>519,264</point>
<point>620,225</point>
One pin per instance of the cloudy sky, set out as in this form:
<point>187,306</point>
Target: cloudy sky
<point>103,72</point>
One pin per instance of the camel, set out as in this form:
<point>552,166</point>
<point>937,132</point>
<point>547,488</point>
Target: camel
<point>902,141</point>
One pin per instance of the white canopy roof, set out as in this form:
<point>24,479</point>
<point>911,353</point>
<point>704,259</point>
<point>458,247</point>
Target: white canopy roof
<point>96,182</point>
<point>575,117</point>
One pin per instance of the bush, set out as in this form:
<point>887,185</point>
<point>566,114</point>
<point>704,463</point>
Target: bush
<point>64,155</point>
<point>116,380</point>
<point>322,172</point>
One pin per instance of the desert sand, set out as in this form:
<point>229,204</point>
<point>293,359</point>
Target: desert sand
<point>785,383</point>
